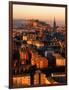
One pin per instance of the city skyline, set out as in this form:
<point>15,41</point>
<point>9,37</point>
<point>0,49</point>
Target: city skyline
<point>40,12</point>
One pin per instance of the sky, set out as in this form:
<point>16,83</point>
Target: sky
<point>44,13</point>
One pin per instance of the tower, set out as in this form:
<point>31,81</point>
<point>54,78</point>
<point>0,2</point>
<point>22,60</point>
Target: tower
<point>54,25</point>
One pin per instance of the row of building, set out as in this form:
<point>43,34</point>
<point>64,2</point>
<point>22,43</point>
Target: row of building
<point>38,79</point>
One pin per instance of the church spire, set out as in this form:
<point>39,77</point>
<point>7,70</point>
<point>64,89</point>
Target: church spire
<point>54,24</point>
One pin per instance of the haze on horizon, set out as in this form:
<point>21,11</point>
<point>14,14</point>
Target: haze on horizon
<point>44,13</point>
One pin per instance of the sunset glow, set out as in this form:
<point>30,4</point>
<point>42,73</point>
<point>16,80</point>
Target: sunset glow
<point>39,12</point>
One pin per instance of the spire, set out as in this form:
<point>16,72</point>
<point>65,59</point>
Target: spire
<point>54,24</point>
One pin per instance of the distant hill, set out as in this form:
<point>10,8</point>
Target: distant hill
<point>20,23</point>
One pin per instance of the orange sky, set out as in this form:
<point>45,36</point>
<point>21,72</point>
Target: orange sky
<point>39,12</point>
